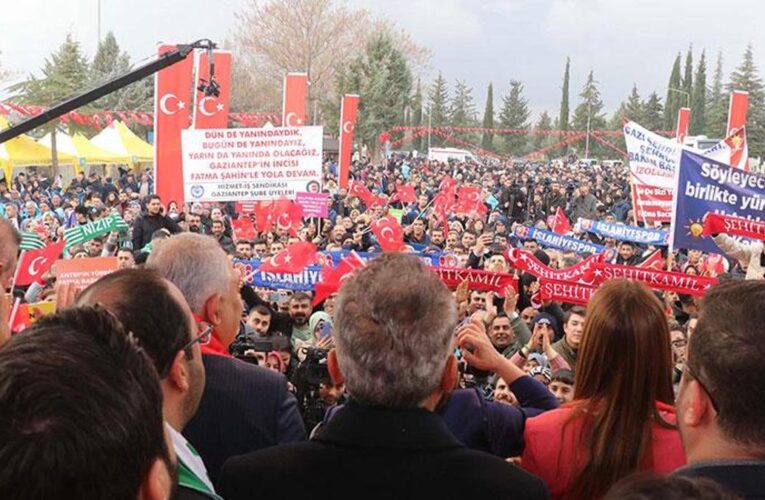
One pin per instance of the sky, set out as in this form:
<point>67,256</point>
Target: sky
<point>623,41</point>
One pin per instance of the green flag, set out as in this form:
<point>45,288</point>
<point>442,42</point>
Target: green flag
<point>397,213</point>
<point>78,235</point>
<point>30,241</point>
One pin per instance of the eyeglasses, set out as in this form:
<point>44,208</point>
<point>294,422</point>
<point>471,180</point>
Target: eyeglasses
<point>203,338</point>
<point>703,386</point>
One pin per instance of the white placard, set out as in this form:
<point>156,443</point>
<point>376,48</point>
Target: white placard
<point>251,163</point>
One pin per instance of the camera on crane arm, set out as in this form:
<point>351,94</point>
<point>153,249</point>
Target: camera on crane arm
<point>211,87</point>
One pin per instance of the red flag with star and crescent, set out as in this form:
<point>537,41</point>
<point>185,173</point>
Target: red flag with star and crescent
<point>739,151</point>
<point>361,192</point>
<point>333,277</point>
<point>264,216</point>
<point>171,115</point>
<point>389,233</point>
<point>470,200</point>
<point>404,193</point>
<point>559,223</point>
<point>288,214</point>
<point>35,263</point>
<point>292,259</point>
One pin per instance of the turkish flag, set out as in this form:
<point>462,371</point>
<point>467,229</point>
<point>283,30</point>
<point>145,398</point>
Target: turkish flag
<point>292,259</point>
<point>35,263</point>
<point>442,204</point>
<point>739,151</point>
<point>264,216</point>
<point>348,109</point>
<point>683,122</point>
<point>360,191</point>
<point>654,261</point>
<point>559,223</point>
<point>211,111</point>
<point>389,234</point>
<point>469,200</point>
<point>288,214</point>
<point>333,277</point>
<point>404,193</point>
<point>447,184</point>
<point>293,103</point>
<point>172,100</point>
<point>20,318</point>
<point>243,229</point>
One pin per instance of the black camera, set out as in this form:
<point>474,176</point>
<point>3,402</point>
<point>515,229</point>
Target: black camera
<point>310,374</point>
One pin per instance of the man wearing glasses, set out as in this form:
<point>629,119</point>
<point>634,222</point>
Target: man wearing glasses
<point>720,405</point>
<point>155,312</point>
<point>244,407</point>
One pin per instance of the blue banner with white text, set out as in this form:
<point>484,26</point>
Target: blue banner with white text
<point>557,241</point>
<point>704,185</point>
<point>622,232</point>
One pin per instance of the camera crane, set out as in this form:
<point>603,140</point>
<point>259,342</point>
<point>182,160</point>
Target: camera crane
<point>210,88</point>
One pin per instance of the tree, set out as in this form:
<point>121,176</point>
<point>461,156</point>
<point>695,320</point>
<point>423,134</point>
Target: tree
<point>590,106</point>
<point>110,62</point>
<point>539,141</point>
<point>688,78</point>
<point>381,76</point>
<point>5,73</point>
<point>320,37</point>
<point>563,118</point>
<point>674,99</point>
<point>514,114</point>
<point>746,78</point>
<point>438,98</point>
<point>417,115</point>
<point>462,111</point>
<point>699,98</point>
<point>633,107</point>
<point>717,103</point>
<point>652,112</point>
<point>65,73</point>
<point>589,113</point>
<point>487,141</point>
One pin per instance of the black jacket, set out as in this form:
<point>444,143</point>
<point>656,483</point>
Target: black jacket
<point>375,453</point>
<point>244,408</point>
<point>745,478</point>
<point>144,227</point>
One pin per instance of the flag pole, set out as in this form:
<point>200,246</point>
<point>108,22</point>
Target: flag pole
<point>16,272</point>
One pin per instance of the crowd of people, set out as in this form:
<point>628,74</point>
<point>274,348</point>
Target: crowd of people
<point>392,385</point>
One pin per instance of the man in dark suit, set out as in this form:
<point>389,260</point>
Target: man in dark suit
<point>720,405</point>
<point>244,407</point>
<point>394,334</point>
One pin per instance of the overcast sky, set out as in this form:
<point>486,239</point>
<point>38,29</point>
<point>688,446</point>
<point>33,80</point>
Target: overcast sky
<point>624,41</point>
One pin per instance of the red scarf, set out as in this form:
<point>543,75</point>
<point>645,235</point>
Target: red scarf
<point>215,346</point>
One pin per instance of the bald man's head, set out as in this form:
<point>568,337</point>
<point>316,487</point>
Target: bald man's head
<point>8,252</point>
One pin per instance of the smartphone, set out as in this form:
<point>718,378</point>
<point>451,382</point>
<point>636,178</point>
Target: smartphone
<point>274,297</point>
<point>325,330</point>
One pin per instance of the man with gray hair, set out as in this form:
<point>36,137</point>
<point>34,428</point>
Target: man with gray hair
<point>394,335</point>
<point>244,407</point>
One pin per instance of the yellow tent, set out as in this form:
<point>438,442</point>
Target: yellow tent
<point>117,137</point>
<point>86,152</point>
<point>24,151</point>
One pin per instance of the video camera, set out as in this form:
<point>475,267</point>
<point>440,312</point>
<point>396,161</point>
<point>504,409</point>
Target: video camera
<point>310,374</point>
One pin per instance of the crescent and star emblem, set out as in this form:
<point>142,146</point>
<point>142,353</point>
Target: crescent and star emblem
<point>164,101</point>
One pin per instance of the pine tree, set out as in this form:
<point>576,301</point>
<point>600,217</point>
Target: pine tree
<point>381,75</point>
<point>417,116</point>
<point>462,111</point>
<point>544,123</point>
<point>674,100</point>
<point>563,117</point>
<point>717,103</point>
<point>687,79</point>
<point>746,78</point>
<point>653,112</point>
<point>699,98</point>
<point>514,114</point>
<point>110,62</point>
<point>591,106</point>
<point>438,99</point>
<point>633,108</point>
<point>65,73</point>
<point>589,111</point>
<point>487,141</point>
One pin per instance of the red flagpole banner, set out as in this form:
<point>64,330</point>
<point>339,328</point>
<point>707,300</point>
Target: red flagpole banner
<point>211,111</point>
<point>294,100</point>
<point>739,101</point>
<point>171,114</point>
<point>348,109</point>
<point>683,122</point>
